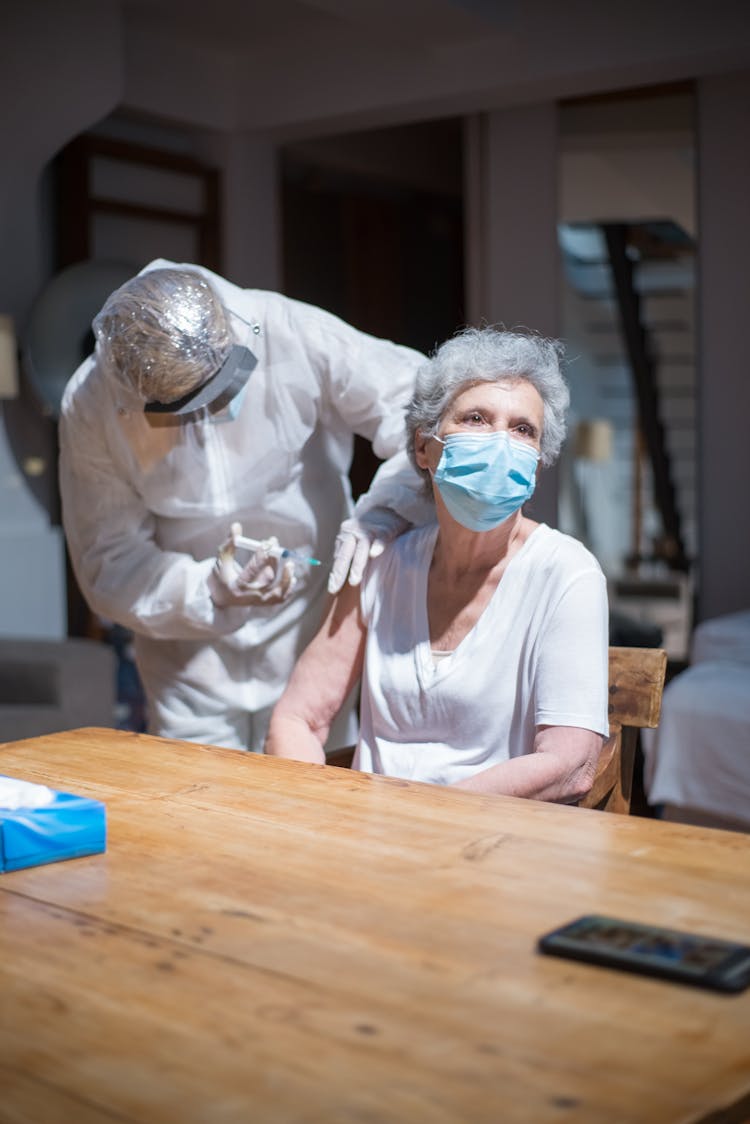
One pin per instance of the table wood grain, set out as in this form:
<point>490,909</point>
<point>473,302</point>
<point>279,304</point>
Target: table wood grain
<point>268,941</point>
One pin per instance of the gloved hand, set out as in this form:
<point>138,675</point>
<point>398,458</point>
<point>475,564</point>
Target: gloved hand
<point>265,579</point>
<point>362,538</point>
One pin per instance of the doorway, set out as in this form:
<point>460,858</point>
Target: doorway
<point>628,247</point>
<point>373,232</point>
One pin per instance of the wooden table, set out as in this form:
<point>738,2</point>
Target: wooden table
<point>269,941</point>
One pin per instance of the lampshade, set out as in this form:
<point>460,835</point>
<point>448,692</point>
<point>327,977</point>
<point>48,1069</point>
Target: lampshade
<point>58,335</point>
<point>8,359</point>
<point>594,439</point>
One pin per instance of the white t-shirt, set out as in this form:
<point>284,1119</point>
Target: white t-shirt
<point>538,655</point>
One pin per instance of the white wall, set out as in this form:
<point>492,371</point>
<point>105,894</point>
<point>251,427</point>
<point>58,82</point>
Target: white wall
<point>251,235</point>
<point>512,256</point>
<point>52,86</point>
<point>724,299</point>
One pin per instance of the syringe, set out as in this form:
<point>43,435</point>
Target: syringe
<point>278,551</point>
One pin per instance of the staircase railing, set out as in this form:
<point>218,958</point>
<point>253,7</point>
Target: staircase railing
<point>643,367</point>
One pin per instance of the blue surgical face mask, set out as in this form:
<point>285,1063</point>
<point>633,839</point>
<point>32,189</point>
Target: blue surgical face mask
<point>232,409</point>
<point>484,477</point>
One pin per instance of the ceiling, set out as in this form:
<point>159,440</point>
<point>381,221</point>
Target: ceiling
<point>306,67</point>
<point>238,25</point>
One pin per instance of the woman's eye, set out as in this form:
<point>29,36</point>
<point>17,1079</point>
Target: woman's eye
<point>474,417</point>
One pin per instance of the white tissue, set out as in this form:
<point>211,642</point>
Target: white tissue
<point>23,794</point>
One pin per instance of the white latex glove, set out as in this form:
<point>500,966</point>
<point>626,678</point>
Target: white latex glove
<point>265,579</point>
<point>360,539</point>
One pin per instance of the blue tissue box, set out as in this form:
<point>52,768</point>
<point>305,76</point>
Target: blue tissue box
<point>66,828</point>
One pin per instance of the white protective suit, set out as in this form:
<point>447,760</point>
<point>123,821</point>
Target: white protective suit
<point>146,506</point>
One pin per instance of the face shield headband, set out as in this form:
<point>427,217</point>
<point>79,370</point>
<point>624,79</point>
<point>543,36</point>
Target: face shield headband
<point>221,387</point>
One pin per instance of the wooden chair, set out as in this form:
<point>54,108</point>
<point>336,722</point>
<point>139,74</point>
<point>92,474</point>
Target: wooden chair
<point>636,683</point>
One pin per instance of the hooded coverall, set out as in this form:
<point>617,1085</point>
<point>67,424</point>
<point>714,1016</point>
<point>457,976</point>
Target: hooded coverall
<point>146,505</point>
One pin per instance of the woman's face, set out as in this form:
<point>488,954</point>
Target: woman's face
<point>513,406</point>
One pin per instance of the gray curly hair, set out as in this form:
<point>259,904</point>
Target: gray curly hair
<point>490,354</point>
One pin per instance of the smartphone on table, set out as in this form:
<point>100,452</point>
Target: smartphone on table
<point>651,950</point>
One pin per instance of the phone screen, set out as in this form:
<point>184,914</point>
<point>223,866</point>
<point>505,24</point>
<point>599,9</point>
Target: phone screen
<point>647,947</point>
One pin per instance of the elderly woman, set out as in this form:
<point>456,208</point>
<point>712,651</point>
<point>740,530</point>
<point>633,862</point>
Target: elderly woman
<point>481,640</point>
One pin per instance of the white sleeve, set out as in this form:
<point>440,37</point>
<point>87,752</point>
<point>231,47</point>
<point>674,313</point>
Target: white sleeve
<point>122,572</point>
<point>398,487</point>
<point>366,382</point>
<point>572,666</point>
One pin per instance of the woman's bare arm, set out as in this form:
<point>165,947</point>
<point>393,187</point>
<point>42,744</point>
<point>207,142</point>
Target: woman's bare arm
<point>323,677</point>
<point>561,768</point>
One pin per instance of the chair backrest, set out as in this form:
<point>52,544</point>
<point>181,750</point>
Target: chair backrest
<point>636,683</point>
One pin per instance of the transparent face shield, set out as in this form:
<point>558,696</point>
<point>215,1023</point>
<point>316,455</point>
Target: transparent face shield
<point>217,393</point>
<point>219,398</point>
<point>172,348</point>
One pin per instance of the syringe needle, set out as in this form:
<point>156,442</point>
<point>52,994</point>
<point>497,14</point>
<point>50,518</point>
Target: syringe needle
<point>295,554</point>
<point>276,551</point>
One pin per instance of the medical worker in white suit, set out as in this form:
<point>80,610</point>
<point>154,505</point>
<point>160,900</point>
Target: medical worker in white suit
<point>206,407</point>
